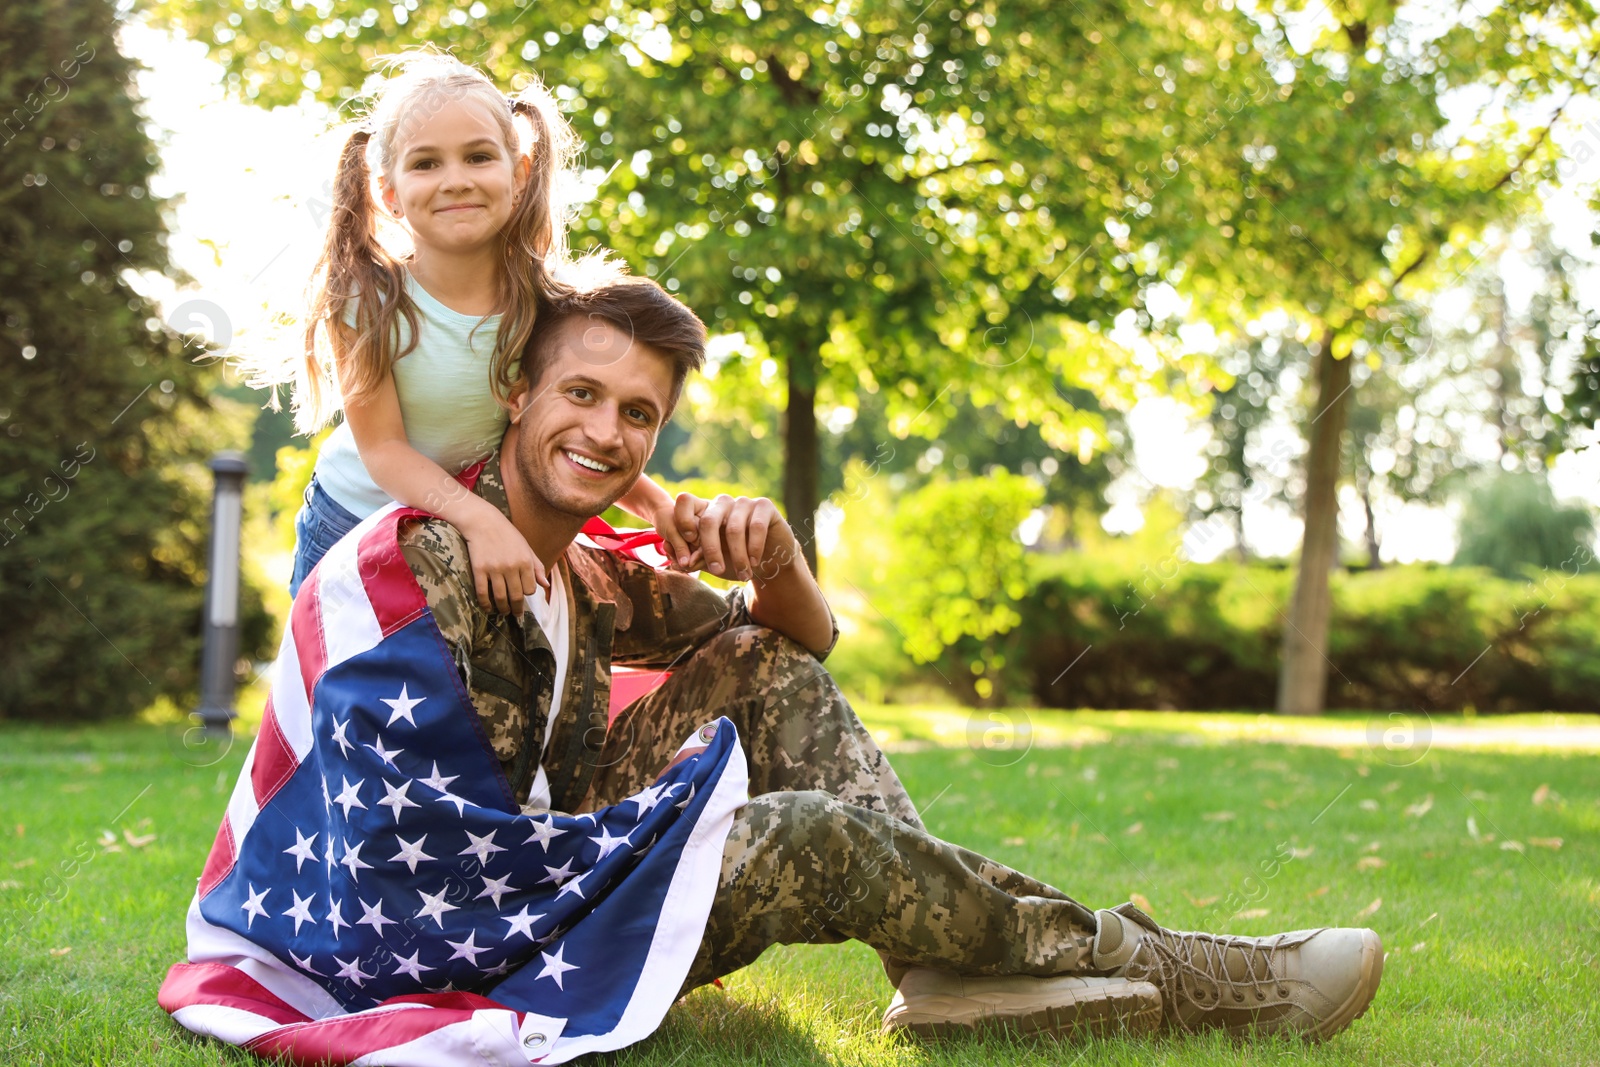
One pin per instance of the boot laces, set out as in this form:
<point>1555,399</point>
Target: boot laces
<point>1198,963</point>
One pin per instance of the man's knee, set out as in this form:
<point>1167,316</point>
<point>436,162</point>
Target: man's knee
<point>751,660</point>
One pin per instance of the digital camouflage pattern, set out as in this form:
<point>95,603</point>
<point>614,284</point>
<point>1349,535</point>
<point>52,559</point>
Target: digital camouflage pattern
<point>830,846</point>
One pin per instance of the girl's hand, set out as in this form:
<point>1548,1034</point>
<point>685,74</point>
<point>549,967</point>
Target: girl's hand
<point>504,568</point>
<point>678,522</point>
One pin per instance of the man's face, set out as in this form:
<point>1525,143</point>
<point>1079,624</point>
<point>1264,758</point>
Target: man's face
<point>588,426</point>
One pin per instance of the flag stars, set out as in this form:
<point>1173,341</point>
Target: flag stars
<point>387,755</point>
<point>254,904</point>
<point>372,915</point>
<point>521,923</point>
<point>434,907</point>
<point>352,971</point>
<point>543,833</point>
<point>607,843</point>
<point>339,738</point>
<point>397,799</point>
<point>466,950</point>
<point>335,916</point>
<point>302,849</point>
<point>495,887</point>
<point>575,887</point>
<point>481,846</point>
<point>647,798</point>
<point>408,965</point>
<point>352,860</point>
<point>305,965</point>
<point>439,782</point>
<point>558,875</point>
<point>555,966</point>
<point>301,912</point>
<point>400,707</point>
<point>350,798</point>
<point>411,852</point>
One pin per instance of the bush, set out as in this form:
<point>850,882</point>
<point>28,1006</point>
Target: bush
<point>1513,521</point>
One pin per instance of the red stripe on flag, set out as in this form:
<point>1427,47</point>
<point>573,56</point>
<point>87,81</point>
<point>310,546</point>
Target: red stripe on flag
<point>190,984</point>
<point>305,619</point>
<point>349,1037</point>
<point>274,760</point>
<point>390,586</point>
<point>220,862</point>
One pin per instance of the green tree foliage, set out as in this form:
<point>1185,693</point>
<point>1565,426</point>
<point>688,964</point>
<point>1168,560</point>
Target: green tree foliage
<point>104,420</point>
<point>957,569</point>
<point>1512,521</point>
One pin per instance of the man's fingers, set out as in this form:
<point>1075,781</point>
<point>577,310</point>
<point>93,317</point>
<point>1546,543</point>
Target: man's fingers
<point>676,548</point>
<point>733,535</point>
<point>497,591</point>
<point>756,535</point>
<point>710,539</point>
<point>684,516</point>
<point>480,582</point>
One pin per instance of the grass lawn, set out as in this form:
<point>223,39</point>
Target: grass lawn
<point>1481,870</point>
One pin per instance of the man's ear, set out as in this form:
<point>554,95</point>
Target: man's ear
<point>517,402</point>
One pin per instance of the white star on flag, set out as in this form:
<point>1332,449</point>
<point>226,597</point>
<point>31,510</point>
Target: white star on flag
<point>647,798</point>
<point>408,965</point>
<point>544,832</point>
<point>351,970</point>
<point>495,887</point>
<point>327,798</point>
<point>434,906</point>
<point>301,912</point>
<point>301,850</point>
<point>305,965</point>
<point>558,875</point>
<point>253,906</point>
<point>607,843</point>
<point>348,797</point>
<point>438,783</point>
<point>387,755</point>
<point>397,799</point>
<point>400,707</point>
<point>466,950</point>
<point>339,738</point>
<point>352,859</point>
<point>482,847</point>
<point>574,887</point>
<point>686,801</point>
<point>335,917</point>
<point>521,923</point>
<point>410,852</point>
<point>555,966</point>
<point>372,915</point>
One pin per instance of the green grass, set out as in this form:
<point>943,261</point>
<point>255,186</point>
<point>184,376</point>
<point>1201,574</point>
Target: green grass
<point>1492,949</point>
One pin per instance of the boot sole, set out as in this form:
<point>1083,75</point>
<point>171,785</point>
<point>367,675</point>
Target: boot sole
<point>1134,1009</point>
<point>1361,999</point>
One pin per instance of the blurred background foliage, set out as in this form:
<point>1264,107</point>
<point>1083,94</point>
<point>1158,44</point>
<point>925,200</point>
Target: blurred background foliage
<point>946,251</point>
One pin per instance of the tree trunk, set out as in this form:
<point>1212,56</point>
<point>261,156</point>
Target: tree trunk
<point>1303,677</point>
<point>800,460</point>
<point>1374,546</point>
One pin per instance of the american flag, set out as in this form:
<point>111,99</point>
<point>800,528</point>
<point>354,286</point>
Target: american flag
<point>375,895</point>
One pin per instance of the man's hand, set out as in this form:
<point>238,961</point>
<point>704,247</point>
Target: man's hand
<point>746,539</point>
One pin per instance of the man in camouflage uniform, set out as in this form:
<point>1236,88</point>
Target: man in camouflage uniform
<point>830,847</point>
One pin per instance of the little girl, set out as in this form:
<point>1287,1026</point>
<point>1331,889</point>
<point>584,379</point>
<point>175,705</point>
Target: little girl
<point>425,348</point>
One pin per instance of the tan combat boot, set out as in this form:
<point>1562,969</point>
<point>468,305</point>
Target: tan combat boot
<point>934,1004</point>
<point>1309,982</point>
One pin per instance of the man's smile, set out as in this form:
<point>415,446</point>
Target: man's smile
<point>587,463</point>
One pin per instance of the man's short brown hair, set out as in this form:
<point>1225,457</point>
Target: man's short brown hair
<point>638,307</point>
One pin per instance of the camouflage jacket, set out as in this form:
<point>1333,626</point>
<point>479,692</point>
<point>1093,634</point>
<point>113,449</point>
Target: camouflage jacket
<point>621,611</point>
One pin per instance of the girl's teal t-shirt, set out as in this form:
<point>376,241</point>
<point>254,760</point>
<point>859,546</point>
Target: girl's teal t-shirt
<point>449,411</point>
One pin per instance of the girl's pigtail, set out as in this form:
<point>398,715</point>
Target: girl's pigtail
<point>353,266</point>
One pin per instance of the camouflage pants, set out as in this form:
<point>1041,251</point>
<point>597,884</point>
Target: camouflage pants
<point>830,846</point>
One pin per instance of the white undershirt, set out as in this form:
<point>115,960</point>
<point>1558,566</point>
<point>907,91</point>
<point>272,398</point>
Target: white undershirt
<point>554,616</point>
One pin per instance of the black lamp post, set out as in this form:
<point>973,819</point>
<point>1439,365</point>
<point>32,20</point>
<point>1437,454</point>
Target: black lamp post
<point>216,712</point>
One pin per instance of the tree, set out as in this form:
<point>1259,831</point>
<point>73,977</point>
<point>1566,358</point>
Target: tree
<point>877,197</point>
<point>104,421</point>
<point>1512,521</point>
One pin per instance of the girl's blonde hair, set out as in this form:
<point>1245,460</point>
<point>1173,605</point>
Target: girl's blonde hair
<point>355,266</point>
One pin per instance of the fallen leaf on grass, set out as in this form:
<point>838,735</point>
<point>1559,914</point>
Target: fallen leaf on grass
<point>29,862</point>
<point>1219,816</point>
<point>1142,902</point>
<point>1370,863</point>
<point>1545,842</point>
<point>10,883</point>
<point>1101,838</point>
<point>1373,846</point>
<point>1315,893</point>
<point>60,951</point>
<point>1368,805</point>
<point>1137,827</point>
<point>1512,846</point>
<point>1268,802</point>
<point>1391,787</point>
<point>1472,827</point>
<point>1541,794</point>
<point>108,841</point>
<point>1419,946</point>
<point>1370,909</point>
<point>1421,808</point>
<point>141,840</point>
<point>1202,902</point>
<point>75,787</point>
<point>1252,913</point>
<point>1014,841</point>
<point>1301,853</point>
